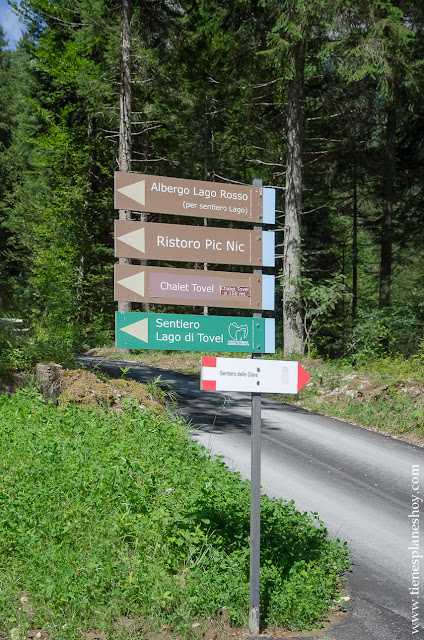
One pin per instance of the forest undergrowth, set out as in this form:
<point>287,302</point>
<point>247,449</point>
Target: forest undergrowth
<point>106,515</point>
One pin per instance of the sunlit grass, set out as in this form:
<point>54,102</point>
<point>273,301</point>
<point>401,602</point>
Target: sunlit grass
<point>104,515</point>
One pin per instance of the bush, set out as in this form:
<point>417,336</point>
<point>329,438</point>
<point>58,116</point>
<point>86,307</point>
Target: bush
<point>369,336</point>
<point>21,349</point>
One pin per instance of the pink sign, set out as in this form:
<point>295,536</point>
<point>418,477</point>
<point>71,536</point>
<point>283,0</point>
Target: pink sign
<point>170,285</point>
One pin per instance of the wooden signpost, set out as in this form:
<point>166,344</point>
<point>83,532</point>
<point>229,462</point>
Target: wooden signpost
<point>254,291</point>
<point>194,287</point>
<point>159,194</point>
<point>188,243</point>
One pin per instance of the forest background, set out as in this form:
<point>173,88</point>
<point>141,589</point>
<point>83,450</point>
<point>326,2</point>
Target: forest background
<point>321,99</point>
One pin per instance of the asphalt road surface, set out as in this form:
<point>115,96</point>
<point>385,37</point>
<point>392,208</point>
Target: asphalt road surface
<point>364,486</point>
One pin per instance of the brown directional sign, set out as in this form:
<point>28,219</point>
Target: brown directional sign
<point>187,243</point>
<point>159,194</point>
<point>134,283</point>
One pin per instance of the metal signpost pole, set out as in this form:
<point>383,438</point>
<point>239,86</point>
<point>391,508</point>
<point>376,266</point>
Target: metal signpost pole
<point>252,204</point>
<point>255,491</point>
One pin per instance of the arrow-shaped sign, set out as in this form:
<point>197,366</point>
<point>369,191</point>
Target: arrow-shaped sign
<point>252,376</point>
<point>201,199</point>
<point>184,332</point>
<point>195,287</point>
<point>194,243</point>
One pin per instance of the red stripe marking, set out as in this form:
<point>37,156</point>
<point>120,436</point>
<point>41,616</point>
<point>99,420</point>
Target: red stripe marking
<point>209,385</point>
<point>208,361</point>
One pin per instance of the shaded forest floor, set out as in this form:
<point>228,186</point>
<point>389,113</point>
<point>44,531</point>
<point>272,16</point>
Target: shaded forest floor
<point>382,394</point>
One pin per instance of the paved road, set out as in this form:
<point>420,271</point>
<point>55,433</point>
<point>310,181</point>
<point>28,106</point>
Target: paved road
<point>358,481</point>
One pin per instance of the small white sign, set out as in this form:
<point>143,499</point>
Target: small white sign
<point>252,376</point>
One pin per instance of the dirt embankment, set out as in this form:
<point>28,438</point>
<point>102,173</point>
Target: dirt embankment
<point>87,389</point>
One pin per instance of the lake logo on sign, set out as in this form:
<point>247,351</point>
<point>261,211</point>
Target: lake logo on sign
<point>238,334</point>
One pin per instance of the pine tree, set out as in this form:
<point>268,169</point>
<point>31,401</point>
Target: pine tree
<point>301,29</point>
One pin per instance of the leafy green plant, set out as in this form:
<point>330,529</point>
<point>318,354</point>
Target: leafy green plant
<point>106,514</point>
<point>45,342</point>
<point>301,601</point>
<point>124,371</point>
<point>368,337</point>
<point>319,302</point>
<point>420,353</point>
<point>160,389</point>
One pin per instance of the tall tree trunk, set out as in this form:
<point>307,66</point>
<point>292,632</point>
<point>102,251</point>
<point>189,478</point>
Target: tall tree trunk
<point>387,219</point>
<point>355,242</point>
<point>125,156</point>
<point>206,177</point>
<point>292,319</point>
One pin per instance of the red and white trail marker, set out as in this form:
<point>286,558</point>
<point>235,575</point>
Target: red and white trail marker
<point>252,376</point>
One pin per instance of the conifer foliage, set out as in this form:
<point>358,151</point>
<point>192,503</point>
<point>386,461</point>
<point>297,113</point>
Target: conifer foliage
<point>323,100</point>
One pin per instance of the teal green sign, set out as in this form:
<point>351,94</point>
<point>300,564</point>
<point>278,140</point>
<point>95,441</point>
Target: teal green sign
<point>180,332</point>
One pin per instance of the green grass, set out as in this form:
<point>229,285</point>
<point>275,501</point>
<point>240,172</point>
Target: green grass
<point>104,515</point>
<point>390,399</point>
